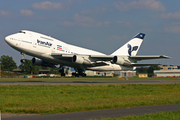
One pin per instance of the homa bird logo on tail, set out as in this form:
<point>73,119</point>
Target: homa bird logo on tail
<point>131,49</point>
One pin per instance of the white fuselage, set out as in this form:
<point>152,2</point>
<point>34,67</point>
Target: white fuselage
<point>42,46</point>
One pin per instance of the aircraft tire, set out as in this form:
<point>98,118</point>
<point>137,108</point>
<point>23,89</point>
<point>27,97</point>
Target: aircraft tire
<point>62,74</point>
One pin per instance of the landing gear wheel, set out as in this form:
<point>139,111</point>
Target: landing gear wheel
<point>83,75</point>
<point>62,74</point>
<point>76,75</point>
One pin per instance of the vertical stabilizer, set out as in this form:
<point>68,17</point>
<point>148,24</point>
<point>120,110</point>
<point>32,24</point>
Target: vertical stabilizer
<point>130,48</point>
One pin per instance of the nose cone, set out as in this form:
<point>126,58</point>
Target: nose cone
<point>7,39</point>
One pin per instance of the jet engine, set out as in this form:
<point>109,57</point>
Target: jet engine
<point>80,60</point>
<point>39,62</point>
<point>23,60</point>
<point>121,61</point>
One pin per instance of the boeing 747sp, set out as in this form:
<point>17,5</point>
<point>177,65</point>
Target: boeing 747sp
<point>48,51</point>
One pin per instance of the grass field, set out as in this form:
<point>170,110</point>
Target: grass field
<point>84,78</point>
<point>58,79</point>
<point>158,116</point>
<point>48,99</point>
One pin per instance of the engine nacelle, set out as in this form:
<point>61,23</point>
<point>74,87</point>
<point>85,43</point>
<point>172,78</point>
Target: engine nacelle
<point>39,62</point>
<point>80,60</point>
<point>23,60</point>
<point>77,59</point>
<point>121,61</point>
<point>36,61</point>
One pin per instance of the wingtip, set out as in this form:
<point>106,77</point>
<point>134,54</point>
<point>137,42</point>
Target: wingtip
<point>164,56</point>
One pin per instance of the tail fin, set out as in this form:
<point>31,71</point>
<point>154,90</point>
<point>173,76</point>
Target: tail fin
<point>130,48</point>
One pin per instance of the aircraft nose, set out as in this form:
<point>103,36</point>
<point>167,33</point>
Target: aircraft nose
<point>7,39</point>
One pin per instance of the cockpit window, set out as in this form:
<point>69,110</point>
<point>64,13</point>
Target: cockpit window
<point>22,32</point>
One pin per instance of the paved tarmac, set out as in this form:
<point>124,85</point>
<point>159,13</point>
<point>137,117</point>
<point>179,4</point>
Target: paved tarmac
<point>94,82</point>
<point>110,113</point>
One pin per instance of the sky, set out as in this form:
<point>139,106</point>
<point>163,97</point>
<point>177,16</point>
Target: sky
<point>101,25</point>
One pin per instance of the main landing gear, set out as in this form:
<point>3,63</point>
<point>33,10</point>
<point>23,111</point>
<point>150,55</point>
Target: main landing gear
<point>61,70</point>
<point>79,72</point>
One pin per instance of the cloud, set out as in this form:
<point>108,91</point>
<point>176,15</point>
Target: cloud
<point>176,23</point>
<point>47,5</point>
<point>144,24</point>
<point>106,23</point>
<point>172,29</point>
<point>128,24</point>
<point>4,13</point>
<point>97,10</point>
<point>26,12</point>
<point>151,5</point>
<point>85,12</point>
<point>81,24</point>
<point>175,15</point>
<point>67,24</point>
<point>79,18</point>
<point>83,21</point>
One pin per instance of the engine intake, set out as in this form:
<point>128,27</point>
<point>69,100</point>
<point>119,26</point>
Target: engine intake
<point>36,61</point>
<point>23,60</point>
<point>39,62</point>
<point>80,60</point>
<point>121,61</point>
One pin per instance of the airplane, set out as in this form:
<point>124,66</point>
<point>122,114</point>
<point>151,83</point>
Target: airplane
<point>48,51</point>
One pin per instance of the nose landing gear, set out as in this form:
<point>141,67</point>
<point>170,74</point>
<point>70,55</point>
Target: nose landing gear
<point>23,60</point>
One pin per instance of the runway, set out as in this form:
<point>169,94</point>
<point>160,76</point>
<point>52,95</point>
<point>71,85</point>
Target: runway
<point>85,82</point>
<point>110,113</point>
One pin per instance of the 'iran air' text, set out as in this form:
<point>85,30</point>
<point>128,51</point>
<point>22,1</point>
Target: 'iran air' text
<point>46,44</point>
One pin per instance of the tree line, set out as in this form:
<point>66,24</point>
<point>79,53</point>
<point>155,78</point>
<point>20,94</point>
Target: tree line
<point>8,64</point>
<point>149,70</point>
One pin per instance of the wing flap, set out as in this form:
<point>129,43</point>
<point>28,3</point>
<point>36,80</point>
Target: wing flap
<point>61,55</point>
<point>67,57</point>
<point>100,63</point>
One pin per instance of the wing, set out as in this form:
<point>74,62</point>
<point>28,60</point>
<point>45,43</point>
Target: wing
<point>66,57</point>
<point>96,57</point>
<point>138,58</point>
<point>101,60</point>
<point>91,60</point>
<point>102,57</point>
<point>133,64</point>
